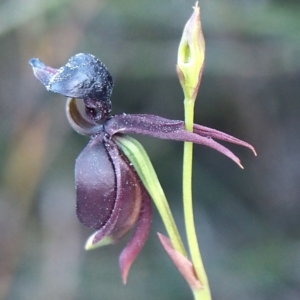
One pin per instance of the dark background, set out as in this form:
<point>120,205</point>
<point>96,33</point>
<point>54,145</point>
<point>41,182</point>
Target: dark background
<point>248,221</point>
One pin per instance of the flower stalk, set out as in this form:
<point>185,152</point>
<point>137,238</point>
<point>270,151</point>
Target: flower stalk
<point>189,68</point>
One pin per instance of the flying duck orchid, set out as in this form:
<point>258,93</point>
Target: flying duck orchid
<point>111,195</point>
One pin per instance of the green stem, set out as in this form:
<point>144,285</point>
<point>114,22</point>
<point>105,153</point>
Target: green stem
<point>204,293</point>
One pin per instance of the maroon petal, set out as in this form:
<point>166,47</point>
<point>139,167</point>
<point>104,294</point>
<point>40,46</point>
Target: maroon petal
<point>143,124</point>
<point>172,130</point>
<point>135,210</point>
<point>138,239</point>
<point>219,135</point>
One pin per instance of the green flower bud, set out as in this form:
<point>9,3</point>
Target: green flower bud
<point>191,52</point>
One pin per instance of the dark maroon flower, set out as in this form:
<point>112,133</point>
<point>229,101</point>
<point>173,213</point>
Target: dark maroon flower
<point>111,197</point>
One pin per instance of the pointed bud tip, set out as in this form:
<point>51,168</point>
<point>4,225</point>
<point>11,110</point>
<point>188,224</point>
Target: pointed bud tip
<point>191,53</point>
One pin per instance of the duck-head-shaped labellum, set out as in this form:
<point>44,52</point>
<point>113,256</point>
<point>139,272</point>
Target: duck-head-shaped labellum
<point>111,197</point>
<point>83,77</point>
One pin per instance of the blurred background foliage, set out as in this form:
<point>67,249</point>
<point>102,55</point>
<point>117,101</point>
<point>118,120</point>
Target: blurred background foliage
<point>248,221</point>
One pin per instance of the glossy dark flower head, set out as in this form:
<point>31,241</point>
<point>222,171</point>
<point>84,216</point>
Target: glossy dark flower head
<point>84,77</point>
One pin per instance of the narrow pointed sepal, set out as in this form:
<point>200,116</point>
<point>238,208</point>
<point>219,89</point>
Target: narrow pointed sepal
<point>138,238</point>
<point>183,264</point>
<point>162,128</point>
<point>219,135</point>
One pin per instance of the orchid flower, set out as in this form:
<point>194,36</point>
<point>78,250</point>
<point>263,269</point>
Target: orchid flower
<point>111,196</point>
